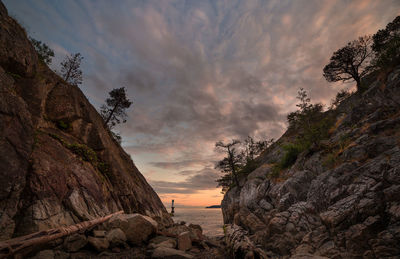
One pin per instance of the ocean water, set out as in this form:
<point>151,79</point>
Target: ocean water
<point>209,219</point>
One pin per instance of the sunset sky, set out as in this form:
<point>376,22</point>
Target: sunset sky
<point>200,71</point>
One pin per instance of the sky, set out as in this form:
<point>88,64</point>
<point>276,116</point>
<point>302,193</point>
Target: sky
<point>200,71</point>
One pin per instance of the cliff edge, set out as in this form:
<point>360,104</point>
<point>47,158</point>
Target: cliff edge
<point>58,164</point>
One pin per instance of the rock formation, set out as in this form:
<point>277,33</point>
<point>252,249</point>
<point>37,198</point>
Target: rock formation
<point>58,164</point>
<point>339,200</point>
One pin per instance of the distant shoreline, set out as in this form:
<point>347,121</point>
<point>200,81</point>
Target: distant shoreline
<point>213,207</point>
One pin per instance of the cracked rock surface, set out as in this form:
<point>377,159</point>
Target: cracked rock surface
<point>346,209</point>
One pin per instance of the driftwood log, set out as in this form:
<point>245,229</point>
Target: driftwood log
<point>240,245</point>
<point>14,246</point>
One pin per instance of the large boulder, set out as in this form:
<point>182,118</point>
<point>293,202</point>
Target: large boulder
<point>137,228</point>
<point>162,241</point>
<point>116,237</point>
<point>100,244</point>
<point>75,242</point>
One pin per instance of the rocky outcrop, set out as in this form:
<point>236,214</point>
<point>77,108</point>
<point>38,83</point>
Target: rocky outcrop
<point>59,165</point>
<point>339,200</point>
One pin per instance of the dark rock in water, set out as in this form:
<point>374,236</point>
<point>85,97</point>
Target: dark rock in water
<point>52,175</point>
<point>340,200</point>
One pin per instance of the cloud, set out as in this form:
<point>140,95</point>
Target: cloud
<point>202,71</point>
<point>204,179</point>
<point>177,165</point>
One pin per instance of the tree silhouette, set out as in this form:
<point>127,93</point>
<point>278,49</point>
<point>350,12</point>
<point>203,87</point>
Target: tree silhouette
<point>45,53</point>
<point>113,112</point>
<point>387,45</point>
<point>350,62</point>
<point>70,69</point>
<point>230,164</point>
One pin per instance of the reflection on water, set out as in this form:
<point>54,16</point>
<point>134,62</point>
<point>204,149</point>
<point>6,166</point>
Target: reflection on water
<point>209,219</point>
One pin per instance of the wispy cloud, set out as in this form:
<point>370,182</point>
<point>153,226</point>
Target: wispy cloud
<point>200,180</point>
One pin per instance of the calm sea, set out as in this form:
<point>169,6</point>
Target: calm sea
<point>209,219</point>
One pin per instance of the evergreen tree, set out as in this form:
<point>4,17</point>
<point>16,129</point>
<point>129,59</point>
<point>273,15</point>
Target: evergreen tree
<point>70,69</point>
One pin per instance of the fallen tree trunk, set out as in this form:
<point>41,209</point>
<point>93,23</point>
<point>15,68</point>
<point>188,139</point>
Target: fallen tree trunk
<point>240,245</point>
<point>15,245</point>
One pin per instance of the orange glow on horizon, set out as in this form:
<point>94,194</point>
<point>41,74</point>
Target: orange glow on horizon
<point>201,198</point>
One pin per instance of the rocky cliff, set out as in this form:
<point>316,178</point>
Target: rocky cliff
<point>58,164</point>
<point>339,200</point>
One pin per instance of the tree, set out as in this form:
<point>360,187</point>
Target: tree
<point>383,37</point>
<point>386,44</point>
<point>306,113</point>
<point>114,111</point>
<point>45,53</point>
<point>308,121</point>
<point>230,164</point>
<point>253,148</point>
<point>70,69</point>
<point>350,62</point>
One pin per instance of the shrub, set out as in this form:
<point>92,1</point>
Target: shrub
<point>63,125</point>
<point>45,53</point>
<point>104,168</point>
<point>330,160</point>
<point>275,171</point>
<point>15,76</point>
<point>85,152</point>
<point>290,157</point>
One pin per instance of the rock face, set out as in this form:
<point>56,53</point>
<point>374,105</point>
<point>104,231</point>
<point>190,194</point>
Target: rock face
<point>340,200</point>
<point>58,164</point>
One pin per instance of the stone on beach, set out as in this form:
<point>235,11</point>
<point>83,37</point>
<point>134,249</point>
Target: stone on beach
<point>184,241</point>
<point>169,253</point>
<point>116,237</point>
<point>137,228</point>
<point>100,244</point>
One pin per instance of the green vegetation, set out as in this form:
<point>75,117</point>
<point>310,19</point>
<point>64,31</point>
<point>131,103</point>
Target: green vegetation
<point>45,53</point>
<point>340,97</point>
<point>63,125</point>
<point>240,160</point>
<point>86,154</point>
<point>113,111</point>
<point>330,160</point>
<point>290,157</point>
<point>104,168</point>
<point>386,44</point>
<point>366,55</point>
<point>70,69</point>
<point>350,62</point>
<point>361,60</point>
<point>15,76</point>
